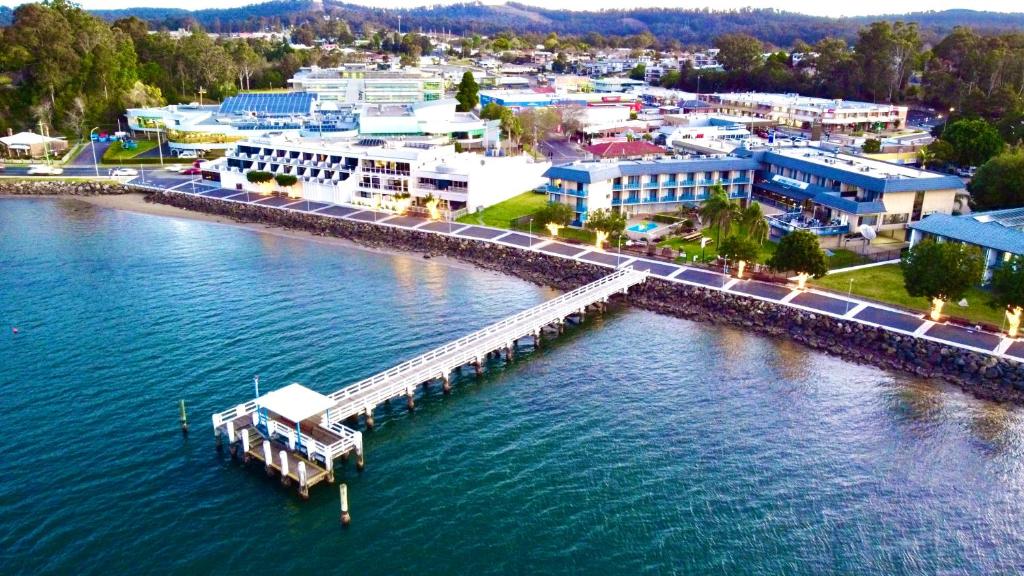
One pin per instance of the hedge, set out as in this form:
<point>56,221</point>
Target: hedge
<point>258,177</point>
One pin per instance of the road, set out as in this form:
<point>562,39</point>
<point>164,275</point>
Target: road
<point>561,151</point>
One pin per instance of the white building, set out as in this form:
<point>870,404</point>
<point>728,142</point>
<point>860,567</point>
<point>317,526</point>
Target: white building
<point>805,111</point>
<point>437,118</point>
<point>357,83</point>
<point>704,134</point>
<point>376,172</point>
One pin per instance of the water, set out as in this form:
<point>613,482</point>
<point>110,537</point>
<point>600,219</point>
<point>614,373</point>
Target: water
<point>639,443</point>
<point>643,227</point>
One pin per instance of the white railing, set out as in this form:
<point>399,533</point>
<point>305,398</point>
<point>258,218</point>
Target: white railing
<point>369,392</point>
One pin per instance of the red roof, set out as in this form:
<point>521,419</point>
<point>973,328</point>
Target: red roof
<point>544,89</point>
<point>624,149</point>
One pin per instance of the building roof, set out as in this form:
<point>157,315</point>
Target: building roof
<point>295,402</point>
<point>26,139</point>
<point>273,104</point>
<point>821,196</point>
<point>873,175</point>
<point>624,149</point>
<point>1002,230</point>
<point>590,172</point>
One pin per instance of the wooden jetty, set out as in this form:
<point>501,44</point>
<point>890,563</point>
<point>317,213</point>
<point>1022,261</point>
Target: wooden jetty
<point>298,433</point>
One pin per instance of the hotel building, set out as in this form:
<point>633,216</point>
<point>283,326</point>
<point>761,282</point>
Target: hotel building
<point>805,112</point>
<point>647,186</point>
<point>377,172</point>
<point>998,233</point>
<point>359,84</point>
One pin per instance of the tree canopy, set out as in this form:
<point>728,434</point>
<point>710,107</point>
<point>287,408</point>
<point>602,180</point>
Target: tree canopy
<point>999,183</point>
<point>941,270</point>
<point>607,221</point>
<point>799,251</point>
<point>467,95</point>
<point>973,141</point>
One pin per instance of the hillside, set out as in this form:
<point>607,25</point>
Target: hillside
<point>688,26</point>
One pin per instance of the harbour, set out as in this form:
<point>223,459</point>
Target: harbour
<point>761,455</point>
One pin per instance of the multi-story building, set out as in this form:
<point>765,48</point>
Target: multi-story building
<point>806,112</point>
<point>831,193</point>
<point>998,233</point>
<point>437,118</point>
<point>377,172</point>
<point>358,84</point>
<point>647,186</point>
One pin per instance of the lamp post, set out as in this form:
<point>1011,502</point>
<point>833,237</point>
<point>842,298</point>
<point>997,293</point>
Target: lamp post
<point>531,233</point>
<point>618,255</point>
<point>92,143</point>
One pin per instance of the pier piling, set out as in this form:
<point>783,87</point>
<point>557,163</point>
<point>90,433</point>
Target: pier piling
<point>369,418</point>
<point>446,384</point>
<point>268,457</point>
<point>245,445</point>
<point>184,417</point>
<point>410,402</point>
<point>283,455</point>
<point>346,518</point>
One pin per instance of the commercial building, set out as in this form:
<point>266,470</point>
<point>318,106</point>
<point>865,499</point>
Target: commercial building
<point>830,193</point>
<point>615,84</point>
<point>217,127</point>
<point>31,145</point>
<point>647,186</point>
<point>806,112</point>
<point>703,134</point>
<point>378,172</point>
<point>998,233</point>
<point>354,84</point>
<point>437,118</point>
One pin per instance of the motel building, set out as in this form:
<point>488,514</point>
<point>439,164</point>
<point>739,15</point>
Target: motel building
<point>381,173</point>
<point>831,194</point>
<point>998,233</point>
<point>647,186</point>
<point>805,111</point>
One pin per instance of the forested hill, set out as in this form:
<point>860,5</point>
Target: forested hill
<point>687,26</point>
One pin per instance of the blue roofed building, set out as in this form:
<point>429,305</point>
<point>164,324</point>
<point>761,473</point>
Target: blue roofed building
<point>999,233</point>
<point>829,193</point>
<point>647,186</point>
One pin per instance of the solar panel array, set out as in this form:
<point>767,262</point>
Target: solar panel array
<point>270,104</point>
<point>1013,218</point>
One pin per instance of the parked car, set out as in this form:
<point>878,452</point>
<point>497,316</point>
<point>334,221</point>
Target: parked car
<point>968,172</point>
<point>124,172</point>
<point>44,170</point>
<point>187,154</point>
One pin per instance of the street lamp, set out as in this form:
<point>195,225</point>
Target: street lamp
<point>92,143</point>
<point>531,233</point>
<point>618,256</point>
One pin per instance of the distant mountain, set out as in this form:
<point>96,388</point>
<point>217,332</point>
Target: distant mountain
<point>688,26</point>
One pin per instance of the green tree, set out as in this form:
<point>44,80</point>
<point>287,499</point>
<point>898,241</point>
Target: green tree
<point>285,180</point>
<point>799,251</point>
<point>718,210</point>
<point>739,52</point>
<point>638,72</point>
<point>974,141</point>
<point>941,271</point>
<point>607,221</point>
<point>1008,291</point>
<point>556,212</point>
<point>938,153</point>
<point>467,94</point>
<point>739,248</point>
<point>872,146</point>
<point>752,220</point>
<point>258,176</point>
<point>999,183</point>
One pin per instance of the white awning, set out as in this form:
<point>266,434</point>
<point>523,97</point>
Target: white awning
<point>295,402</point>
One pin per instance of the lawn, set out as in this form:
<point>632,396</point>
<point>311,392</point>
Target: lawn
<point>885,284</point>
<point>115,153</point>
<point>692,249</point>
<point>501,214</point>
<point>843,258</point>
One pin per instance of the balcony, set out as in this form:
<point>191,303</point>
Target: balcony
<point>669,183</point>
<point>553,189</point>
<point>616,186</point>
<point>632,185</point>
<point>792,221</point>
<point>650,185</point>
<point>687,182</point>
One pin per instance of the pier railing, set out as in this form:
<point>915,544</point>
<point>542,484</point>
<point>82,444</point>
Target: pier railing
<point>366,394</point>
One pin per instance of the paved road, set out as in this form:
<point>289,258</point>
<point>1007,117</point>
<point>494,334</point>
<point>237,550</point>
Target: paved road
<point>561,151</point>
<point>84,157</point>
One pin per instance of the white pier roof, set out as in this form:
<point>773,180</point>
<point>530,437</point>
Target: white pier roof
<point>295,402</point>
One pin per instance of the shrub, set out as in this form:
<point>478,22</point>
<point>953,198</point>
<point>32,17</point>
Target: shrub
<point>285,180</point>
<point>258,177</point>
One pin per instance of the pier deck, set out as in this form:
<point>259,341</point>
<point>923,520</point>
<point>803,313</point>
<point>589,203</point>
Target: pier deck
<point>315,441</point>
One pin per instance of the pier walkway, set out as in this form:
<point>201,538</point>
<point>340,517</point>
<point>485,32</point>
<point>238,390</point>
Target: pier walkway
<point>298,433</point>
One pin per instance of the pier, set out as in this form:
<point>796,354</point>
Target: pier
<point>297,433</point>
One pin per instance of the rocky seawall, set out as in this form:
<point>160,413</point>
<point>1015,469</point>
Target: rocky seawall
<point>983,375</point>
<point>61,188</point>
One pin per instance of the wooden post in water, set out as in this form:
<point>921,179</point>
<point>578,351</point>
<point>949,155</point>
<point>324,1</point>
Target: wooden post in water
<point>283,454</point>
<point>369,417</point>
<point>245,445</point>
<point>446,384</point>
<point>346,518</point>
<point>268,457</point>
<point>303,487</point>
<point>477,368</point>
<point>231,440</point>
<point>184,418</point>
<point>410,403</point>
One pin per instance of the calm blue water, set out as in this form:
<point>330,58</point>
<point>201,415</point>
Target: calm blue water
<point>639,443</point>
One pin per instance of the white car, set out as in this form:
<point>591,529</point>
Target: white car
<point>187,154</point>
<point>44,170</point>
<point>124,172</point>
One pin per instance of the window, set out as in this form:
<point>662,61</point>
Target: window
<point>895,219</point>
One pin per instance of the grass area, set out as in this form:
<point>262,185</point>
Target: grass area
<point>843,258</point>
<point>885,284</point>
<point>501,214</point>
<point>691,249</point>
<point>116,154</point>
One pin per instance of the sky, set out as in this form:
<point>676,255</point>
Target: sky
<point>817,7</point>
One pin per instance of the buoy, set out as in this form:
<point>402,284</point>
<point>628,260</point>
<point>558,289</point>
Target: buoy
<point>14,329</point>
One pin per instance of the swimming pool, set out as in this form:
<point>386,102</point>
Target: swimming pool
<point>642,227</point>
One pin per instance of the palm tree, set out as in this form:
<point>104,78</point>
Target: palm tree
<point>752,220</point>
<point>718,210</point>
